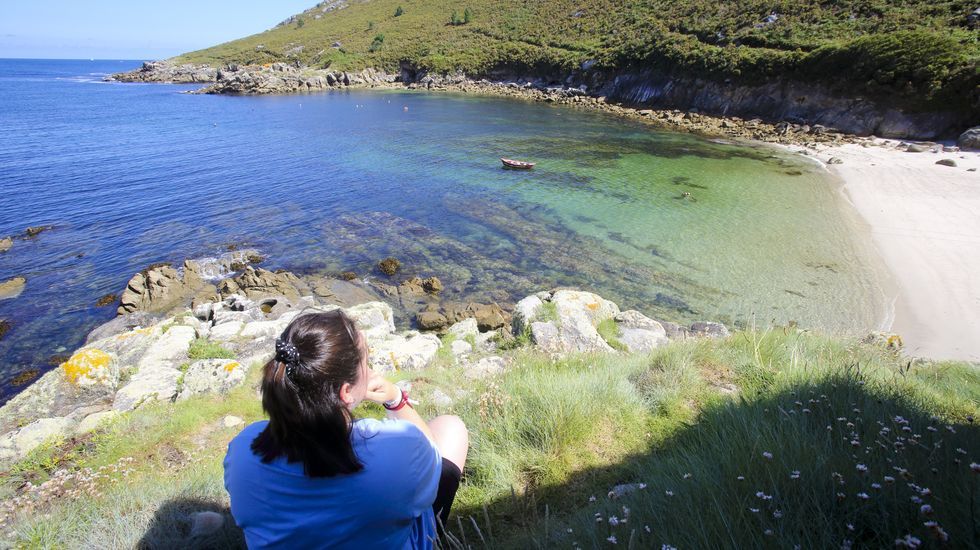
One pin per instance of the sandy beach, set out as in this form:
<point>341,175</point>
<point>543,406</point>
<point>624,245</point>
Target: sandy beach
<point>924,220</point>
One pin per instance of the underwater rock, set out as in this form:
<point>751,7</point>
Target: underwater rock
<point>431,320</point>
<point>12,288</point>
<point>389,266</point>
<point>37,230</point>
<point>106,300</point>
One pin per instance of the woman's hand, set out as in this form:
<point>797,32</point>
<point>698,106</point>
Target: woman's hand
<point>380,390</point>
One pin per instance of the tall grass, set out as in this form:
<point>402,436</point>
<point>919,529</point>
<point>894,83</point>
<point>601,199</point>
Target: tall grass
<point>766,439</point>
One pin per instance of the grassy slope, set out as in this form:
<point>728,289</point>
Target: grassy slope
<point>917,52</point>
<point>559,432</point>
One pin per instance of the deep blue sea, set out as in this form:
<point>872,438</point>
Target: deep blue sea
<point>134,174</point>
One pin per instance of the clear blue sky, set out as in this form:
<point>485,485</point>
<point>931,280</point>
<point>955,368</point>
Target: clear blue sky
<point>132,29</point>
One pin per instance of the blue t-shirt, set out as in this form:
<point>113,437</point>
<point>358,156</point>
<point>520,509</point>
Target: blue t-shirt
<point>388,504</point>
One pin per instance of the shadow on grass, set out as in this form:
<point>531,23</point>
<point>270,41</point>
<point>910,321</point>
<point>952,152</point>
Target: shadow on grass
<point>173,527</point>
<point>834,463</point>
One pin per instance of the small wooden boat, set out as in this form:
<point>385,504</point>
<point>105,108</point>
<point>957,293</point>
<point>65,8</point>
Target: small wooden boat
<point>516,164</point>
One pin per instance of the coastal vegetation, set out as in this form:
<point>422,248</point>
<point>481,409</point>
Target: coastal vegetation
<point>766,438</point>
<point>918,54</point>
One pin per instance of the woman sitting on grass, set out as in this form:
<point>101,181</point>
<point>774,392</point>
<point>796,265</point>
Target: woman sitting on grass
<point>313,477</point>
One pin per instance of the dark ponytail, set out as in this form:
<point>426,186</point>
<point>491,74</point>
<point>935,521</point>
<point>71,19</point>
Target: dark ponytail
<point>308,422</point>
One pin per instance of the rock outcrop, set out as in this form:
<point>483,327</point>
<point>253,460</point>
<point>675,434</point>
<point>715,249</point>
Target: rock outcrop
<point>166,72</point>
<point>6,244</point>
<point>139,358</point>
<point>566,321</point>
<point>162,288</point>
<point>970,139</point>
<point>440,316</point>
<point>279,78</point>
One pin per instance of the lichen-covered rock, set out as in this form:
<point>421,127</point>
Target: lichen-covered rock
<point>485,367</point>
<point>226,331</point>
<point>17,444</point>
<point>460,347</point>
<point>151,384</point>
<point>464,329</point>
<point>638,332</point>
<point>578,334</point>
<point>88,378</point>
<point>93,421</point>
<point>91,366</point>
<point>525,312</point>
<point>212,376</point>
<point>710,329</point>
<point>574,302</point>
<point>546,336</point>
<point>170,348</point>
<point>409,351</point>
<point>273,329</point>
<point>375,319</point>
<point>675,331</point>
<point>123,324</point>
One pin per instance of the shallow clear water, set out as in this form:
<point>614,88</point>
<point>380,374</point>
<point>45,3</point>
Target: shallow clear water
<point>135,174</point>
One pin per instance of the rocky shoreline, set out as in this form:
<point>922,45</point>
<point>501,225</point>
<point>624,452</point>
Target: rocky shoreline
<point>611,97</point>
<point>178,335</point>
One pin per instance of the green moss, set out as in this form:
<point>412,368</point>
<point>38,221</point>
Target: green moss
<point>202,348</point>
<point>548,313</point>
<point>609,331</point>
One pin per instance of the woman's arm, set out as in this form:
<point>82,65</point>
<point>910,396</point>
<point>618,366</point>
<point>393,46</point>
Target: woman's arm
<point>380,390</point>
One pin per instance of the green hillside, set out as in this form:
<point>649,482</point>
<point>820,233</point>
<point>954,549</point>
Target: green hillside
<point>916,52</point>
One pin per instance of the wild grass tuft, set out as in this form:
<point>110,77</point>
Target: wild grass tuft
<point>202,348</point>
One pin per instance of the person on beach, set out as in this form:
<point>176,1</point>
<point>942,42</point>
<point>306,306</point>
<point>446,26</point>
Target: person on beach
<point>314,477</point>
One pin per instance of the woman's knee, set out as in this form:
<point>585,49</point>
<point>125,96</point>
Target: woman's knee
<point>451,436</point>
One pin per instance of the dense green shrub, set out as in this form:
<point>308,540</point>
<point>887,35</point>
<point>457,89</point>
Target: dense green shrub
<point>914,53</point>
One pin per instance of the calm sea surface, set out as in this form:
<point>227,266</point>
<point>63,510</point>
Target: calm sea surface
<point>133,174</point>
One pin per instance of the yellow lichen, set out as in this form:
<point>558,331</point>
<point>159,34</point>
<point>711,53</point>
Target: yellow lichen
<point>86,365</point>
<point>593,306</point>
<point>135,332</point>
<point>231,366</point>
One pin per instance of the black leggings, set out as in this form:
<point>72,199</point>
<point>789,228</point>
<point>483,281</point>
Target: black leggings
<point>448,485</point>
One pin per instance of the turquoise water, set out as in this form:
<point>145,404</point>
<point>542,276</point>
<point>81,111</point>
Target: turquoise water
<point>131,175</point>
